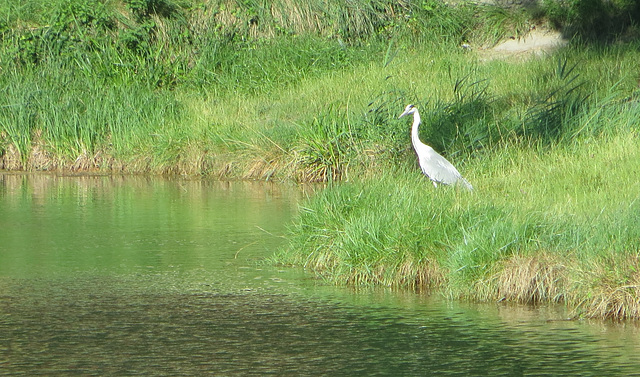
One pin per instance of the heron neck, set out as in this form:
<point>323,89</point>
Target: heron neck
<point>414,129</point>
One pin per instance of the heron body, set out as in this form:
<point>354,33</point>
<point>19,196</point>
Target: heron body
<point>433,165</point>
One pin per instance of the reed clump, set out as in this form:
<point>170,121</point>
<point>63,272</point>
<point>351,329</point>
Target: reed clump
<point>613,287</point>
<point>532,280</point>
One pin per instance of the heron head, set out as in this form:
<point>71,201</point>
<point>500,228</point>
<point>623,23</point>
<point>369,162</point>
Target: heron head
<point>410,109</point>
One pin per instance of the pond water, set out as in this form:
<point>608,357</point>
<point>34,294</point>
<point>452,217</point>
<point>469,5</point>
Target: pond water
<point>147,276</point>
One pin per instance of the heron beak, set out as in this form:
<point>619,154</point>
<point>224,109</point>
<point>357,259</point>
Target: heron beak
<point>403,114</point>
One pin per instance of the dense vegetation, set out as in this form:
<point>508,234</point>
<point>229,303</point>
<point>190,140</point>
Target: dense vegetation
<point>311,90</point>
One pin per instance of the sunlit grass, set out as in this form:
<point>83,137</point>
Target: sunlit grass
<point>558,210</point>
<point>258,98</point>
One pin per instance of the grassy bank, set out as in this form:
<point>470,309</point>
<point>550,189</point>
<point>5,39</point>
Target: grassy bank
<point>551,147</point>
<point>189,86</point>
<point>310,91</point>
<point>543,225</point>
<point>232,88</point>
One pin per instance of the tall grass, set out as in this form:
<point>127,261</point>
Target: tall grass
<point>538,229</point>
<point>78,119</point>
<point>126,66</point>
<point>551,151</point>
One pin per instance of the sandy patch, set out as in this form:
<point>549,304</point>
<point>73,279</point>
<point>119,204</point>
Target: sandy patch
<point>537,42</point>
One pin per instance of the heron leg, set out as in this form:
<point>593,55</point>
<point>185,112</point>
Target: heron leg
<point>434,184</point>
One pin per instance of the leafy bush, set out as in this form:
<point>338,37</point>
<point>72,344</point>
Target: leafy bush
<point>594,19</point>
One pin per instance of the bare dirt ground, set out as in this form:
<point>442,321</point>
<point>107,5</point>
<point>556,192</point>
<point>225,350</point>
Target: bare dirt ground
<point>535,43</point>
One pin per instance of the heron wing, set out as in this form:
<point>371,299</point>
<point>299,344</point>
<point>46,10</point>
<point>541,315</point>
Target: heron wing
<point>438,168</point>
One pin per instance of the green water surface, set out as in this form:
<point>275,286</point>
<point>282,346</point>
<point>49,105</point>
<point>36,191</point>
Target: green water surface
<point>149,276</point>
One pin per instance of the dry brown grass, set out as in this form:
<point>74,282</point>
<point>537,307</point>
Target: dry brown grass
<point>420,275</point>
<point>532,279</point>
<point>85,161</point>
<point>622,302</point>
<point>193,161</point>
<point>40,158</point>
<point>409,274</point>
<point>610,289</point>
<point>11,159</point>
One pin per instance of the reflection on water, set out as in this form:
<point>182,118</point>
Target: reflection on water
<point>62,224</point>
<point>104,275</point>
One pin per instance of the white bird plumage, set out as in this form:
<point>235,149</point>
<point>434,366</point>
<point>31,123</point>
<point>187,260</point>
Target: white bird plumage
<point>433,165</point>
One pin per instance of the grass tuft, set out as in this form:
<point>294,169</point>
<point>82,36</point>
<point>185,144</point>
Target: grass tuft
<point>532,280</point>
<point>612,283</point>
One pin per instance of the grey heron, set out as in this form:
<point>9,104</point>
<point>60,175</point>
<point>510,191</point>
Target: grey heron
<point>433,165</point>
